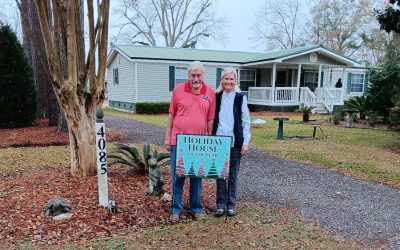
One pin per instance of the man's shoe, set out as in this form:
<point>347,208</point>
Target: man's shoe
<point>174,218</point>
<point>200,216</point>
<point>231,212</point>
<point>219,212</point>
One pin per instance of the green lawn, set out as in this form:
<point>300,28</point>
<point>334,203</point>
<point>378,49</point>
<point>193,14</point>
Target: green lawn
<point>363,153</point>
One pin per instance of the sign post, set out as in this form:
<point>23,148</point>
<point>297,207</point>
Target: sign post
<point>101,156</point>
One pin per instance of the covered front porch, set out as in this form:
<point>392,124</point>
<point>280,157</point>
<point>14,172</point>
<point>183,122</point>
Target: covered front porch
<point>302,79</point>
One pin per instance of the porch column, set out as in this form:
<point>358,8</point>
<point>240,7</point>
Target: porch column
<point>273,81</point>
<point>341,89</point>
<point>319,76</point>
<point>298,81</point>
<point>343,70</point>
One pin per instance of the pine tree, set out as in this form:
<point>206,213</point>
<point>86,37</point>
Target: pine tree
<point>201,170</point>
<point>18,101</point>
<point>180,168</point>
<point>191,171</point>
<point>225,169</point>
<point>212,172</point>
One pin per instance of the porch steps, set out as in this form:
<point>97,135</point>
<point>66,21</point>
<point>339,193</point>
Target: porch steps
<point>320,109</point>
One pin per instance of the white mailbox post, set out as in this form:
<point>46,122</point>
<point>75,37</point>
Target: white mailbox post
<point>101,158</point>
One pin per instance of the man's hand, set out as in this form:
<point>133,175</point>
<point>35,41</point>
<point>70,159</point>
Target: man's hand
<point>167,142</point>
<point>245,149</point>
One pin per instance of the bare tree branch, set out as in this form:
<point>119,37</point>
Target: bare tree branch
<point>278,25</point>
<point>173,23</point>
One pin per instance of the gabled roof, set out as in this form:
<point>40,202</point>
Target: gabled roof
<point>218,56</point>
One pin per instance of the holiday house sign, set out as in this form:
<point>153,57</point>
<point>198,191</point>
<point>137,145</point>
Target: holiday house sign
<point>203,156</point>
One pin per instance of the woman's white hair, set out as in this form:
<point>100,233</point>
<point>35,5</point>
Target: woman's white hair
<point>227,71</point>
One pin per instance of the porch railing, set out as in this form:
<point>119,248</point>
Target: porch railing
<point>286,94</point>
<point>325,97</point>
<point>260,94</point>
<point>307,98</point>
<point>337,95</point>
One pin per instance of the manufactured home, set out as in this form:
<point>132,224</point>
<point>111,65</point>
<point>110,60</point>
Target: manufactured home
<point>304,76</point>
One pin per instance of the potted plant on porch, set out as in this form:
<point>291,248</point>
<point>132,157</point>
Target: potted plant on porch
<point>306,110</point>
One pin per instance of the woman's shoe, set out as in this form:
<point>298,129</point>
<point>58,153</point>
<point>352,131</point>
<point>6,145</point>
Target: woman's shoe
<point>231,212</point>
<point>219,212</point>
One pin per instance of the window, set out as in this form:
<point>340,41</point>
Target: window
<point>247,79</point>
<point>357,82</point>
<point>181,75</point>
<point>115,76</point>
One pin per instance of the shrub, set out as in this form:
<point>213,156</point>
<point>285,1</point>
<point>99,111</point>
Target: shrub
<point>394,117</point>
<point>18,101</point>
<point>372,118</point>
<point>152,107</point>
<point>336,118</point>
<point>341,113</point>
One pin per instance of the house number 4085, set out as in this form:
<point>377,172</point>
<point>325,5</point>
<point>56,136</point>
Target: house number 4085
<point>101,150</point>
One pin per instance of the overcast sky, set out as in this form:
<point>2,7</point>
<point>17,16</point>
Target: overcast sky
<point>240,15</point>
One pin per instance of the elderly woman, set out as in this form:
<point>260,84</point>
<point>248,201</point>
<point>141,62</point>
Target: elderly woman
<point>232,118</point>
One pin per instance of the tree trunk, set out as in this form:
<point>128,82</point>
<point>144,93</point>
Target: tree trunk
<point>82,141</point>
<point>62,125</point>
<point>34,47</point>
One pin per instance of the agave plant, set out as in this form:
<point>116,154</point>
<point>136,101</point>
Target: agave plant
<point>130,156</point>
<point>306,110</point>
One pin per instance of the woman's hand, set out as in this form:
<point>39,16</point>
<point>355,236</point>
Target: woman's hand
<point>245,149</point>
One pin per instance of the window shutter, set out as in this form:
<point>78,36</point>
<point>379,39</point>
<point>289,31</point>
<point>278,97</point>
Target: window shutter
<point>171,78</point>
<point>348,83</point>
<point>365,82</point>
<point>218,77</point>
<point>322,79</point>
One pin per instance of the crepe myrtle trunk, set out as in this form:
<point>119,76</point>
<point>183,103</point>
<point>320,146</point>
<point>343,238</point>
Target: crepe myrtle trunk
<point>81,120</point>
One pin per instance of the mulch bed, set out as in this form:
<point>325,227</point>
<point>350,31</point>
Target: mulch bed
<point>42,135</point>
<point>23,198</point>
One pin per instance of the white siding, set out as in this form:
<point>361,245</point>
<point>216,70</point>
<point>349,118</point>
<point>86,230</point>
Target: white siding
<point>153,79</point>
<point>336,74</point>
<point>153,82</point>
<point>125,91</point>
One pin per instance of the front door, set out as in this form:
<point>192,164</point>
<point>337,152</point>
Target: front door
<point>281,78</point>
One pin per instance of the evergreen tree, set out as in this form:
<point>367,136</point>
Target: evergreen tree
<point>212,172</point>
<point>384,92</point>
<point>191,171</point>
<point>18,103</point>
<point>385,86</point>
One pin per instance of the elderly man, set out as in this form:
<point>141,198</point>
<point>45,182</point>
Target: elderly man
<point>191,111</point>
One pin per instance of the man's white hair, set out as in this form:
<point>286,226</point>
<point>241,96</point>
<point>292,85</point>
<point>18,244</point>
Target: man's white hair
<point>196,65</point>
